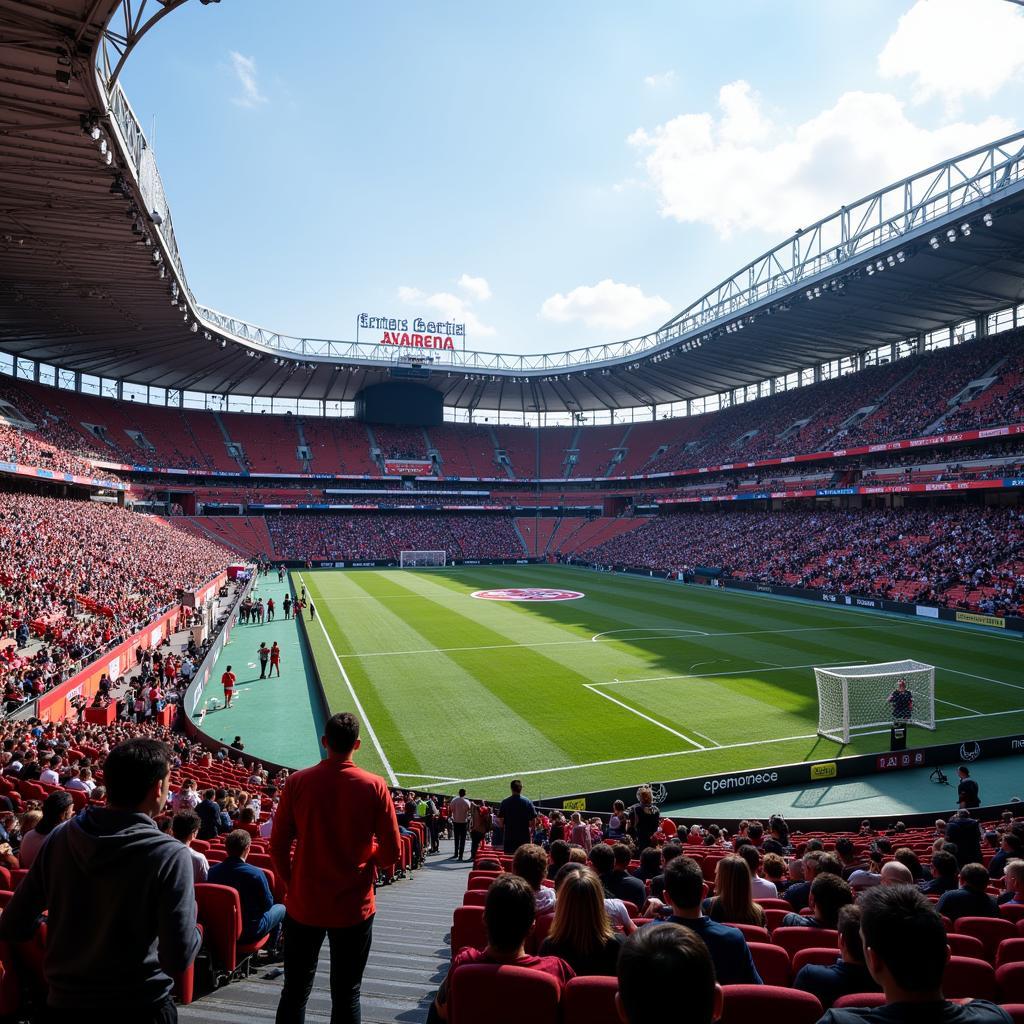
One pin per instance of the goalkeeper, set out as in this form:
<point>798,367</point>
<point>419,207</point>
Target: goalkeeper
<point>902,701</point>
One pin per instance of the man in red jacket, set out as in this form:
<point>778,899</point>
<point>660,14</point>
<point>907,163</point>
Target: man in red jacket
<point>343,824</point>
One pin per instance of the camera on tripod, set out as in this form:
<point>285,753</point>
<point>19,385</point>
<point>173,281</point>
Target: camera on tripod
<point>939,776</point>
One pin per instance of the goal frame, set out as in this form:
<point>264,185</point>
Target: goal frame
<point>833,681</point>
<point>411,559</point>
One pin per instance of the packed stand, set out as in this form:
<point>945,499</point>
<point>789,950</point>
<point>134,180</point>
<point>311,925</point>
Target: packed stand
<point>78,576</point>
<point>368,537</point>
<point>967,557</point>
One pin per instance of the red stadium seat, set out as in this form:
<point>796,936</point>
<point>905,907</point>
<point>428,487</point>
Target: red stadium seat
<point>745,1003</point>
<point>541,927</point>
<point>965,945</point>
<point>1010,951</point>
<point>773,917</point>
<point>967,978</point>
<point>774,903</point>
<point>752,932</point>
<point>589,1001</point>
<point>1012,911</point>
<point>991,931</point>
<point>772,963</point>
<point>474,898</point>
<point>792,939</point>
<point>220,914</point>
<point>1010,980</point>
<point>468,929</point>
<point>820,955</point>
<point>509,994</point>
<point>1015,1010</point>
<point>859,1000</point>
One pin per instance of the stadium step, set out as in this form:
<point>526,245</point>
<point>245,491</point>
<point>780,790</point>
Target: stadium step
<point>409,957</point>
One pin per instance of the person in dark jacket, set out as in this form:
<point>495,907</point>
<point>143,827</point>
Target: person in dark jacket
<point>971,899</point>
<point>210,816</point>
<point>120,897</point>
<point>848,975</point>
<point>1010,848</point>
<point>260,914</point>
<point>965,832</point>
<point>617,882</point>
<point>943,874</point>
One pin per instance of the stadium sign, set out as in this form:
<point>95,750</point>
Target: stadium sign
<point>526,594</point>
<point>427,334</point>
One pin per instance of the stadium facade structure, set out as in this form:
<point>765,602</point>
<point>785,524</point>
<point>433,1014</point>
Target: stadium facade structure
<point>92,280</point>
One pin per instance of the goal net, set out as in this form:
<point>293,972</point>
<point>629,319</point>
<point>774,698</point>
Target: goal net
<point>422,559</point>
<point>854,698</point>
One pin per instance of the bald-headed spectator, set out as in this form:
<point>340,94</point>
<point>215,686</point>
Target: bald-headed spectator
<point>895,873</point>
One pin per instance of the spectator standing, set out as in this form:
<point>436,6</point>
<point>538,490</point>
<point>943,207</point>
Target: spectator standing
<point>643,818</point>
<point>275,659</point>
<point>287,606</point>
<point>965,832</point>
<point>967,789</point>
<point>516,816</point>
<point>480,825</point>
<point>112,866</point>
<point>345,824</point>
<point>905,951</point>
<point>264,655</point>
<point>460,811</point>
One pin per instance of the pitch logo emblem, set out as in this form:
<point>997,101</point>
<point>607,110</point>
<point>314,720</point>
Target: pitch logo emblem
<point>526,594</point>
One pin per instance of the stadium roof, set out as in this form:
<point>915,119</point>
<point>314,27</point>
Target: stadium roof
<point>91,279</point>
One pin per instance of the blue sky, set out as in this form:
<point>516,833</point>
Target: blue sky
<point>556,174</point>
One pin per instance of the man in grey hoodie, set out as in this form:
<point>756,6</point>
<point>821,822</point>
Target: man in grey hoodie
<point>120,896</point>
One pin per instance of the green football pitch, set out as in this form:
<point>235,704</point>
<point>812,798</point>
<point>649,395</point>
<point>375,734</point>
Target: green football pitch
<point>637,681</point>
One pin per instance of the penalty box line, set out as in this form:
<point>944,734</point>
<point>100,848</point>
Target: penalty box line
<point>640,714</point>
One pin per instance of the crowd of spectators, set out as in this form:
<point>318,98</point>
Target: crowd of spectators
<point>78,576</point>
<point>961,556</point>
<point>361,536</point>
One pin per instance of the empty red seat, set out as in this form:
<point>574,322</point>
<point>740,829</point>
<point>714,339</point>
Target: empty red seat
<point>967,978</point>
<point>771,961</point>
<point>1010,980</point>
<point>502,994</point>
<point>1010,951</point>
<point>745,1003</point>
<point>468,929</point>
<point>775,903</point>
<point>965,945</point>
<point>773,916</point>
<point>474,898</point>
<point>589,1001</point>
<point>1015,1010</point>
<point>1012,911</point>
<point>753,932</point>
<point>792,939</point>
<point>991,931</point>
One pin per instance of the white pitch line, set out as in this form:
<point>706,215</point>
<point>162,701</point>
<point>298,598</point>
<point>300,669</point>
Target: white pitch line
<point>949,703</point>
<point>984,679</point>
<point>670,632</point>
<point>653,721</point>
<point>569,643</point>
<point>414,775</point>
<point>723,746</point>
<point>707,675</point>
<point>364,718</point>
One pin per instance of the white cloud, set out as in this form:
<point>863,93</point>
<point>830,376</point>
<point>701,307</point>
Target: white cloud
<point>451,307</point>
<point>607,304</point>
<point>954,49</point>
<point>476,288</point>
<point>661,80</point>
<point>736,169</point>
<point>245,72</point>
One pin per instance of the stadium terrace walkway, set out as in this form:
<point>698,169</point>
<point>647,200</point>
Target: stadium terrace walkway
<point>279,720</point>
<point>409,958</point>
